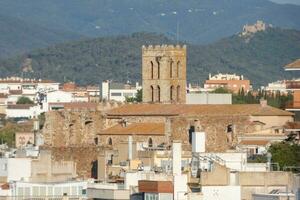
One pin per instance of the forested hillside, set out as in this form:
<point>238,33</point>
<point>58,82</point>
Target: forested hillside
<point>261,58</point>
<point>37,23</point>
<point>18,36</point>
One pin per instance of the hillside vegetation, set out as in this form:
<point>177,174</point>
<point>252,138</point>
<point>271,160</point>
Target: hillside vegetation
<point>119,58</point>
<point>18,36</point>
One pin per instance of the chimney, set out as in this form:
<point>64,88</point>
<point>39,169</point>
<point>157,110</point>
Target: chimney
<point>198,138</point>
<point>176,155</point>
<point>263,103</point>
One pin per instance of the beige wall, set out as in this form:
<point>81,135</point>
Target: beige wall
<point>219,176</point>
<point>272,121</point>
<point>46,170</point>
<point>264,182</point>
<point>23,138</point>
<point>168,57</point>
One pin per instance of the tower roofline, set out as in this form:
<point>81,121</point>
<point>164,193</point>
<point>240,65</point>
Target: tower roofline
<point>163,47</point>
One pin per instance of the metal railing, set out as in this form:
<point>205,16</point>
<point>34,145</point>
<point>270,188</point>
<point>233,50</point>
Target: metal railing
<point>59,197</point>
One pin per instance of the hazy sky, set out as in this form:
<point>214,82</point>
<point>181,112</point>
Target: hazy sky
<point>287,1</point>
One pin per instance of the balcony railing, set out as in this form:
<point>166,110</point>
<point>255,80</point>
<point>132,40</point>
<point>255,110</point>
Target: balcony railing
<point>293,85</point>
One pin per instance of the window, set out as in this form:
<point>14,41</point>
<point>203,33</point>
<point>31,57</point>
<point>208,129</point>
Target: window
<point>191,130</point>
<point>158,67</point>
<point>116,94</point>
<point>178,92</point>
<point>171,93</point>
<point>178,68</point>
<point>96,141</point>
<point>230,128</point>
<point>150,142</point>
<point>109,141</point>
<point>152,69</point>
<point>158,93</point>
<point>171,69</point>
<point>152,93</point>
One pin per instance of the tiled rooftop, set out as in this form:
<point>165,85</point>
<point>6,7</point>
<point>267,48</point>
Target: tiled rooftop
<point>293,65</point>
<point>195,110</point>
<point>254,142</point>
<point>136,129</point>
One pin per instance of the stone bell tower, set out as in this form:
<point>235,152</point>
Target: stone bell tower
<point>164,74</point>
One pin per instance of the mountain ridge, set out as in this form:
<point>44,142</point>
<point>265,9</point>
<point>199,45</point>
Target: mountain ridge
<point>90,61</point>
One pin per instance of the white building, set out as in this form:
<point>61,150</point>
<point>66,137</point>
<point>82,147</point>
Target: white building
<point>208,98</point>
<point>75,189</point>
<point>277,86</point>
<point>118,91</point>
<point>225,77</point>
<point>23,111</point>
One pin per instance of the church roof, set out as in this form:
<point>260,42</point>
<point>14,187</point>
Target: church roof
<point>196,110</point>
<point>136,129</point>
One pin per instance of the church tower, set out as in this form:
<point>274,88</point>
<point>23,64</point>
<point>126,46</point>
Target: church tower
<point>164,74</point>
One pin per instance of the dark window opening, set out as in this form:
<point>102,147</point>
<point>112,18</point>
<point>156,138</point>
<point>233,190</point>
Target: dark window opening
<point>191,131</point>
<point>150,142</point>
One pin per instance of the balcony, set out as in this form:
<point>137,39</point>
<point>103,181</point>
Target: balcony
<point>293,85</point>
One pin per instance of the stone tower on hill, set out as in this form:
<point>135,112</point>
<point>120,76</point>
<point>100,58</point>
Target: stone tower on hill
<point>164,74</point>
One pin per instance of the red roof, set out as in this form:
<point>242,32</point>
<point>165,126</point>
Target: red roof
<point>196,110</point>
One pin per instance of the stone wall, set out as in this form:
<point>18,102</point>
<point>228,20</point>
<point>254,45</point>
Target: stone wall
<point>71,128</point>
<point>83,156</point>
<point>164,74</point>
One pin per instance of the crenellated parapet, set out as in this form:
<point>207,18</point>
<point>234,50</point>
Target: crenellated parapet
<point>164,47</point>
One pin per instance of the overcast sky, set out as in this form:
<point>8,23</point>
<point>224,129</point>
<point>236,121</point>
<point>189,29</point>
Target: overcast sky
<point>287,1</point>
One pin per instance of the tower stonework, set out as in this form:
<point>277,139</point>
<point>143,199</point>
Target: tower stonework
<point>164,74</point>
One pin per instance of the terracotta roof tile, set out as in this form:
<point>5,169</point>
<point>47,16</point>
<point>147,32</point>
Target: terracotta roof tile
<point>292,125</point>
<point>195,110</point>
<point>255,142</point>
<point>77,105</point>
<point>15,92</point>
<point>294,65</point>
<point>20,106</point>
<point>136,129</point>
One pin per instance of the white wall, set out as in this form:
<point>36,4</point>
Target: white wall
<point>208,98</point>
<point>18,169</point>
<point>235,161</point>
<point>221,192</point>
<point>59,96</point>
<point>48,189</point>
<point>180,187</point>
<point>123,93</point>
<point>13,113</point>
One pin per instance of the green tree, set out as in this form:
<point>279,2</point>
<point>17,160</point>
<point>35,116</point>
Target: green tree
<point>138,97</point>
<point>285,154</point>
<point>221,90</point>
<point>24,100</point>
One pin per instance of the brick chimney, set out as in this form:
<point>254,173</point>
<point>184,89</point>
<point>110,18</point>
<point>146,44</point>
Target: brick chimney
<point>263,102</point>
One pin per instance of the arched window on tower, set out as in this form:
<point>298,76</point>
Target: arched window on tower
<point>152,93</point>
<point>178,68</point>
<point>152,68</point>
<point>178,93</point>
<point>150,142</point>
<point>171,69</point>
<point>158,67</point>
<point>171,93</point>
<point>158,93</point>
